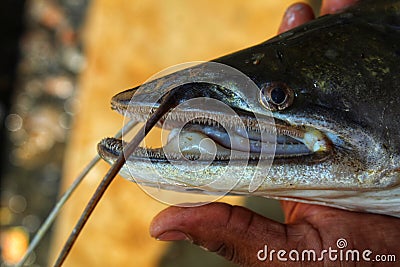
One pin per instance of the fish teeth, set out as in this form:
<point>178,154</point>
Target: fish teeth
<point>141,113</point>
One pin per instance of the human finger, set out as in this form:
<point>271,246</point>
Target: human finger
<point>296,15</point>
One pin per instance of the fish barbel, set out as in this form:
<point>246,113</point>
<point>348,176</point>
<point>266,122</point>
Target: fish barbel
<point>330,92</point>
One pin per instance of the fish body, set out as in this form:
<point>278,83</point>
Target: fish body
<point>328,94</point>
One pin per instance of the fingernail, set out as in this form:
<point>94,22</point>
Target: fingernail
<point>173,236</point>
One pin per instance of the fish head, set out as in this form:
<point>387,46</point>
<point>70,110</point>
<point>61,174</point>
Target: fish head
<point>321,125</point>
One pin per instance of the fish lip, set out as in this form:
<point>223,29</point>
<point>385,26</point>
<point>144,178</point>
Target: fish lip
<point>110,147</point>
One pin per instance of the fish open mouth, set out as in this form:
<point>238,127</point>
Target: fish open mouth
<point>205,138</point>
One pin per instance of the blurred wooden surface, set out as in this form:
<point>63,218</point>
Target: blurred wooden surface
<point>126,42</point>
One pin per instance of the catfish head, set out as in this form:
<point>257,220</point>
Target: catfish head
<point>324,119</point>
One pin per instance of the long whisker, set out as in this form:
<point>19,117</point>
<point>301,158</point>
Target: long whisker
<point>170,101</point>
<point>61,202</point>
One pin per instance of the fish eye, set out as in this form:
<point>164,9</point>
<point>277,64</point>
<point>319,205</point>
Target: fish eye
<point>276,96</point>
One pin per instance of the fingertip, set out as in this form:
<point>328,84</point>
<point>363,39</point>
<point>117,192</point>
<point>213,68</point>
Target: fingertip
<point>296,15</point>
<point>187,219</point>
<point>164,222</point>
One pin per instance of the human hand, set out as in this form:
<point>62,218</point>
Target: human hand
<point>240,235</point>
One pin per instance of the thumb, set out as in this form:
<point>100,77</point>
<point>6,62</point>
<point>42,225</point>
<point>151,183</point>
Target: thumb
<point>233,232</point>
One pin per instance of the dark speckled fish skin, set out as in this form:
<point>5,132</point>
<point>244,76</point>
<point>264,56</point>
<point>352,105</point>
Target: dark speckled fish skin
<point>347,63</point>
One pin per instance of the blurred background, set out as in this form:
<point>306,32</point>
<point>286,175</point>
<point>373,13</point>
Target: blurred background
<point>61,62</point>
